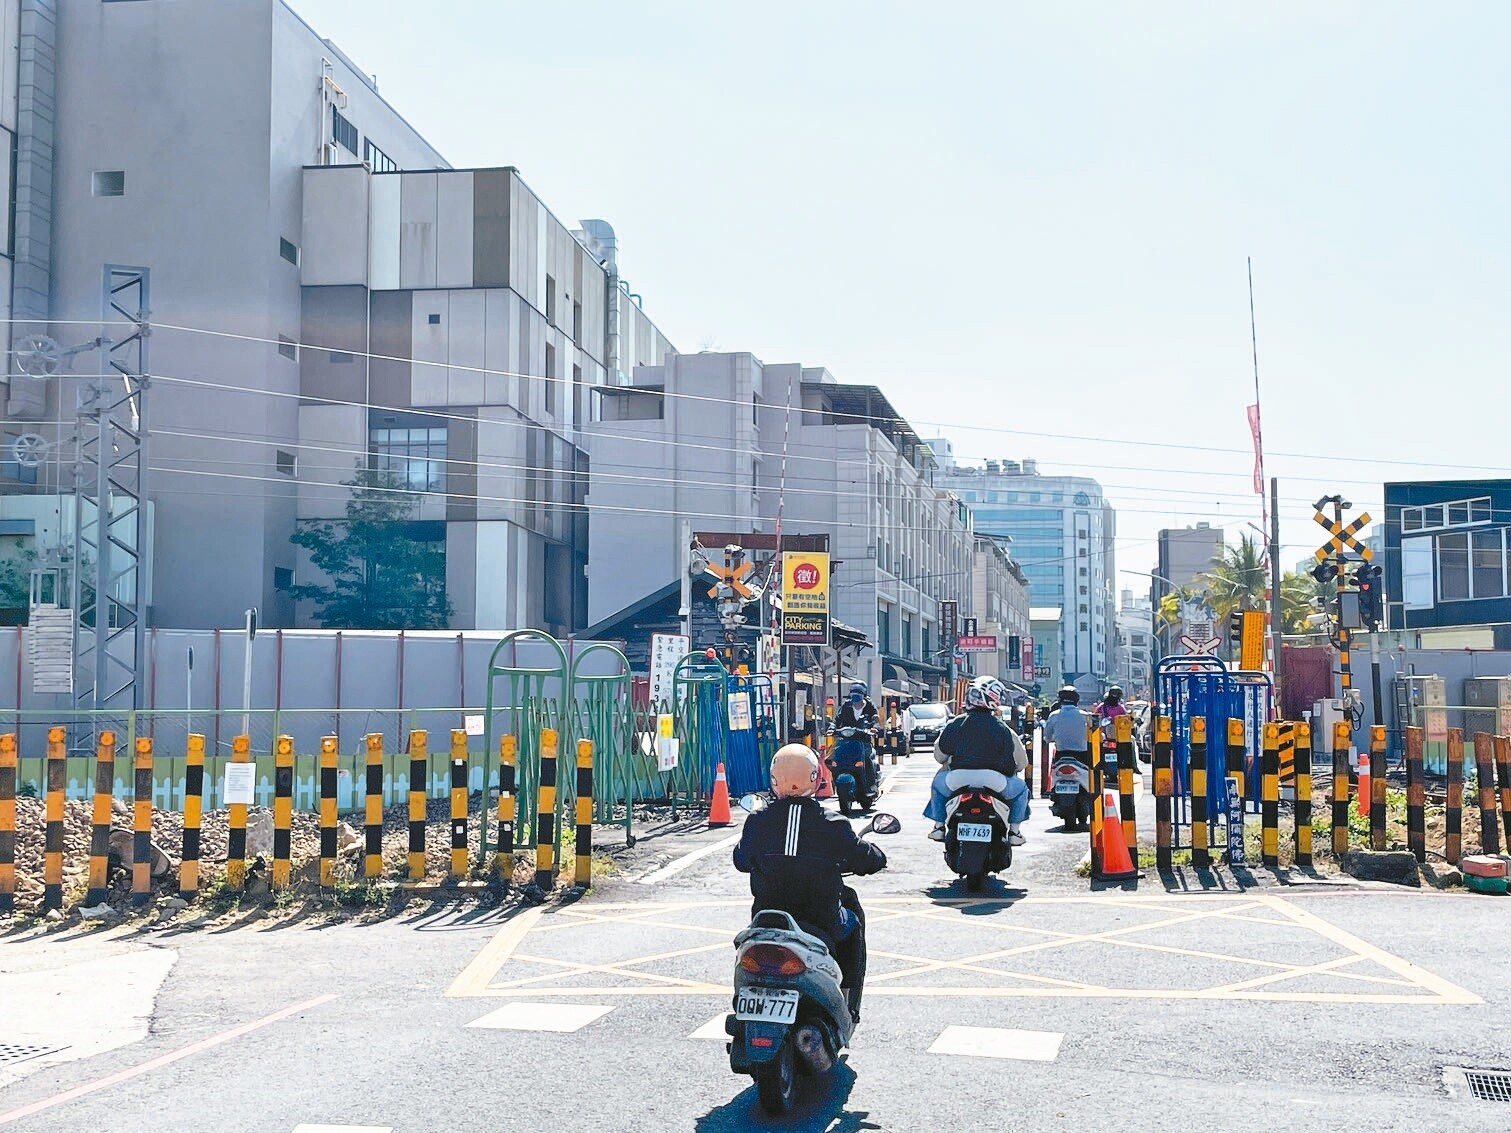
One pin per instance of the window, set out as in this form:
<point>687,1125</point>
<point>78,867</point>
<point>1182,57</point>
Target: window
<point>377,160</point>
<point>285,462</point>
<point>1480,510</point>
<point>288,348</point>
<point>433,320</point>
<point>343,133</point>
<point>283,578</point>
<point>109,183</point>
<point>550,300</point>
<point>416,456</point>
<point>580,408</point>
<point>1453,567</point>
<point>1416,573</point>
<point>288,250</point>
<point>341,356</point>
<point>550,379</point>
<point>577,322</point>
<point>1487,564</point>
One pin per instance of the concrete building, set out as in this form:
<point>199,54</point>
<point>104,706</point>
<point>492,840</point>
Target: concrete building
<point>1135,643</point>
<point>1000,604</point>
<point>1185,554</point>
<point>1063,531</point>
<point>702,437</point>
<point>1044,621</point>
<point>293,224</point>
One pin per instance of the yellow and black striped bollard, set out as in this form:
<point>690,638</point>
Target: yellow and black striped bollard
<point>1201,845</point>
<point>1269,797</point>
<point>1484,772</point>
<point>236,822</point>
<point>504,861</point>
<point>1164,792</point>
<point>583,871</point>
<point>458,803</point>
<point>1342,731</point>
<point>545,818</point>
<point>1416,796</point>
<point>1303,808</point>
<point>141,824</point>
<point>1453,817</point>
<point>194,810</point>
<point>419,773</point>
<point>1237,750</point>
<point>1094,754</point>
<point>1503,773</point>
<point>8,823</point>
<point>1122,730</point>
<point>329,779</point>
<point>283,810</point>
<point>1287,755</point>
<point>1377,787</point>
<point>372,807</point>
<point>52,845</point>
<point>99,830</point>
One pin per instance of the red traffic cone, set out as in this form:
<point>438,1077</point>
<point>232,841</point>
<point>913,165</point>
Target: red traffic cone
<point>718,807</point>
<point>1116,863</point>
<point>1364,790</point>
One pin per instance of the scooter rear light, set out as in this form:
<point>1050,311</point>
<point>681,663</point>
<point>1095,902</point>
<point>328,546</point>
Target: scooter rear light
<point>772,960</point>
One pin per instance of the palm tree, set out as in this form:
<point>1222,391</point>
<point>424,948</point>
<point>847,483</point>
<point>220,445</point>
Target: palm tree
<point>1299,592</point>
<point>1237,581</point>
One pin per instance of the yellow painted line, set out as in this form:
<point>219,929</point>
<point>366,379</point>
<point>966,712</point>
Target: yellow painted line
<point>998,972</point>
<point>1326,967</point>
<point>575,969</point>
<point>494,955</point>
<point>1179,994</point>
<point>1449,992</point>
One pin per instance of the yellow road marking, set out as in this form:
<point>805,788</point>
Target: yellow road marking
<point>494,955</point>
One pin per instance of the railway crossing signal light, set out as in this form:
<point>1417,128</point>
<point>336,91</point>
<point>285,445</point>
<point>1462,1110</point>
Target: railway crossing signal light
<point>1371,606</point>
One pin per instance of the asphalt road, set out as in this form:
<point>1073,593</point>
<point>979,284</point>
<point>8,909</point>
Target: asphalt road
<point>1039,1005</point>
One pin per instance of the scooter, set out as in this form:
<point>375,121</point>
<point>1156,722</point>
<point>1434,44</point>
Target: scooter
<point>791,1017</point>
<point>856,779</point>
<point>1070,790</point>
<point>976,823</point>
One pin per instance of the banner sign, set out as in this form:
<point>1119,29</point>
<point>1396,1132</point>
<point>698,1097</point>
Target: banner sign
<point>666,650</point>
<point>948,630</point>
<point>805,598</point>
<point>978,643</point>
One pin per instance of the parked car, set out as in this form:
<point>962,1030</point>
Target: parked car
<point>922,723</point>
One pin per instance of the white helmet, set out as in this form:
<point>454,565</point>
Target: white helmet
<point>794,772</point>
<point>985,692</point>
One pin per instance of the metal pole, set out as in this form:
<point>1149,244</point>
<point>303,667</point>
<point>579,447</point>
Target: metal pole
<point>1374,674</point>
<point>189,698</point>
<point>685,610</point>
<point>1276,628</point>
<point>246,673</point>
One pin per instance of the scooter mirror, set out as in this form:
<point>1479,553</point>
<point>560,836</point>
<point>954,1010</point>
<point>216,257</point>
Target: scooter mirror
<point>885,824</point>
<point>751,803</point>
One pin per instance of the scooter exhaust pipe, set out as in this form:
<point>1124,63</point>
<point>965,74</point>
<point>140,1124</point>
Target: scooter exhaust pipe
<point>811,1047</point>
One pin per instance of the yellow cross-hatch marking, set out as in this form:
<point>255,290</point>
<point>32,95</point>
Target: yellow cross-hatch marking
<point>1130,946</point>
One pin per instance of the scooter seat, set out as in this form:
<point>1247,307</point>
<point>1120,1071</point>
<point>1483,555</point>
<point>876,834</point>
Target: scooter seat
<point>982,780</point>
<point>771,924</point>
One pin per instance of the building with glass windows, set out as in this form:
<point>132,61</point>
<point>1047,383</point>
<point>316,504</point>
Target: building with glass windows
<point>1062,530</point>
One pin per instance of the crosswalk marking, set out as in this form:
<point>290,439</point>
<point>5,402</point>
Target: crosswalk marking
<point>997,1042</point>
<point>562,1017</point>
<point>713,1029</point>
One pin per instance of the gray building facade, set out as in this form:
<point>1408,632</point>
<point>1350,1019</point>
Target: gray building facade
<point>1185,554</point>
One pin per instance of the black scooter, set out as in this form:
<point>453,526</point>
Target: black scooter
<point>857,777</point>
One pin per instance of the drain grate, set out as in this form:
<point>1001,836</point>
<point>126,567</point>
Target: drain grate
<point>1489,1085</point>
<point>11,1053</point>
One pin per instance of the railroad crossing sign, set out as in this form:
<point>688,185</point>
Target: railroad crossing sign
<point>1203,645</point>
<point>734,576</point>
<point>1343,536</point>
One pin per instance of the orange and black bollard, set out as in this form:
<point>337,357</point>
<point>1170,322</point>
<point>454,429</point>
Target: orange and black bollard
<point>1269,797</point>
<point>583,866</point>
<point>1164,791</point>
<point>1453,817</point>
<point>99,830</point>
<point>329,780</point>
<point>236,820</point>
<point>1122,731</point>
<point>1094,752</point>
<point>1484,770</point>
<point>283,811</point>
<point>504,860</point>
<point>52,845</point>
<point>1416,796</point>
<point>1201,845</point>
<point>1342,731</point>
<point>194,810</point>
<point>458,803</point>
<point>419,772</point>
<point>141,824</point>
<point>1377,787</point>
<point>1503,772</point>
<point>372,807</point>
<point>545,818</point>
<point>1303,807</point>
<point>8,822</point>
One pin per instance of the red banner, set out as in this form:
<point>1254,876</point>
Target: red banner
<point>1258,450</point>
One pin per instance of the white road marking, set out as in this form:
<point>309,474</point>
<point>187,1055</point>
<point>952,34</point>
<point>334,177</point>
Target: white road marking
<point>307,1128</point>
<point>713,1029</point>
<point>997,1042</point>
<point>563,1017</point>
<point>688,859</point>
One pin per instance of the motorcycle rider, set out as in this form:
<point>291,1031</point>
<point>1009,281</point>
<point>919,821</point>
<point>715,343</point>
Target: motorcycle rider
<point>795,853</point>
<point>1111,706</point>
<point>858,712</point>
<point>1065,727</point>
<point>978,740</point>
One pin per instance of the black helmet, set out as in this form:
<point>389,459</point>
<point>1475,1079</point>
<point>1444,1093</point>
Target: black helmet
<point>1114,694</point>
<point>1070,695</point>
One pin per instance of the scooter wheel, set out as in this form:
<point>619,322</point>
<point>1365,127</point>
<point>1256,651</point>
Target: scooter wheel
<point>776,1082</point>
<point>974,882</point>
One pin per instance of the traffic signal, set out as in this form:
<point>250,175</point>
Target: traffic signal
<point>1235,630</point>
<point>1325,571</point>
<point>1371,603</point>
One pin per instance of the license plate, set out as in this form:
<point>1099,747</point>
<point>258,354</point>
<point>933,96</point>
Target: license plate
<point>765,1005</point>
<point>974,832</point>
<point>1067,787</point>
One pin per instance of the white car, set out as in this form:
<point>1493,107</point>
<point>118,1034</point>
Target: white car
<point>922,723</point>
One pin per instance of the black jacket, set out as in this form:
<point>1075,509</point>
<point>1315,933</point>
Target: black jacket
<point>848,717</point>
<point>795,853</point>
<point>977,741</point>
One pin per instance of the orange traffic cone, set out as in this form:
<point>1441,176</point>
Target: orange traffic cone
<point>1363,784</point>
<point>718,808</point>
<point>1115,860</point>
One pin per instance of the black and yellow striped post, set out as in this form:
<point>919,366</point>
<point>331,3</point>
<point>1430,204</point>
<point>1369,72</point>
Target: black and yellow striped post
<point>1164,792</point>
<point>1342,731</point>
<point>236,822</point>
<point>194,813</point>
<point>1094,753</point>
<point>1269,797</point>
<point>503,862</point>
<point>1303,807</point>
<point>1122,732</point>
<point>1484,772</point>
<point>141,824</point>
<point>52,844</point>
<point>329,780</point>
<point>1345,663</point>
<point>1416,796</point>
<point>8,823</point>
<point>458,803</point>
<point>372,807</point>
<point>1503,773</point>
<point>1453,815</point>
<point>583,867</point>
<point>419,772</point>
<point>1377,787</point>
<point>283,811</point>
<point>545,818</point>
<point>1237,751</point>
<point>99,829</point>
<point>1287,754</point>
<point>1201,843</point>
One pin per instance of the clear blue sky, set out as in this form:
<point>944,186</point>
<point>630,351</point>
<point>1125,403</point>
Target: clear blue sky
<point>1034,218</point>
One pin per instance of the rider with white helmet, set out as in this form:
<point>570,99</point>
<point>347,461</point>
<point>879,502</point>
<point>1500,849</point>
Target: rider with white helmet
<point>978,740</point>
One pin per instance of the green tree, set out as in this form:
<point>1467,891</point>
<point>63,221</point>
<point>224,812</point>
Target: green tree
<point>15,586</point>
<point>1298,594</point>
<point>378,576</point>
<point>1237,580</point>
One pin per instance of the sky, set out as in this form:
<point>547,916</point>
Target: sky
<point>1029,223</point>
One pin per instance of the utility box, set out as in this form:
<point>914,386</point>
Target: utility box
<point>1491,696</point>
<point>1422,702</point>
